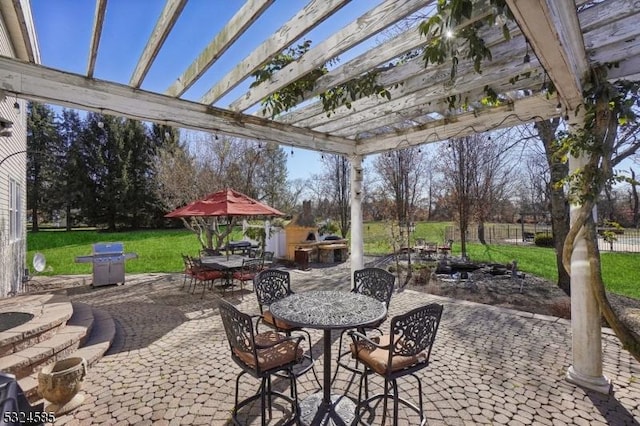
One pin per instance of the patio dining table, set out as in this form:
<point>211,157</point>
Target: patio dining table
<point>328,310</point>
<point>226,264</point>
<point>223,263</point>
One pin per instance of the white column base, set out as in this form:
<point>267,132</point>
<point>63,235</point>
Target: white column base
<point>600,384</point>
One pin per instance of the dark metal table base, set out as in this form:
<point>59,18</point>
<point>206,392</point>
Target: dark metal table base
<point>314,412</point>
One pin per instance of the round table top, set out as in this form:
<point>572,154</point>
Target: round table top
<point>328,309</point>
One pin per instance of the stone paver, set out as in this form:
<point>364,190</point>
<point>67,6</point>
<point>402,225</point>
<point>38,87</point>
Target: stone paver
<point>170,363</point>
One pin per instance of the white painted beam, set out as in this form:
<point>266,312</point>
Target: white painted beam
<point>395,116</point>
<point>619,51</point>
<point>618,31</point>
<point>237,25</point>
<point>402,43</point>
<point>367,25</point>
<point>313,14</point>
<point>628,69</point>
<point>19,24</point>
<point>603,13</point>
<point>552,28</point>
<point>430,84</point>
<point>166,21</point>
<point>401,74</point>
<point>96,33</point>
<point>43,84</point>
<point>522,111</point>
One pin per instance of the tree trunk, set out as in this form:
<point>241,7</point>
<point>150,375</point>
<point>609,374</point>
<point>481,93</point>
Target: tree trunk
<point>68,213</point>
<point>35,226</point>
<point>481,233</point>
<point>559,203</point>
<point>636,202</point>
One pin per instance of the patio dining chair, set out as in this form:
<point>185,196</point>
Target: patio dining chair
<point>372,282</point>
<point>402,352</point>
<point>203,275</point>
<point>261,355</point>
<point>272,285</point>
<point>188,271</point>
<point>267,258</point>
<point>248,271</point>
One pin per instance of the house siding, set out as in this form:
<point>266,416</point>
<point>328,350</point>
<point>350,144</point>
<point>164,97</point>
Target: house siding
<point>12,253</point>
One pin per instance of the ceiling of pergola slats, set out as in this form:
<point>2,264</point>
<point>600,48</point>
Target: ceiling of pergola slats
<point>561,39</point>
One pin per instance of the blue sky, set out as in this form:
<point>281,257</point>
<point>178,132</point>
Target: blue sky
<point>64,33</point>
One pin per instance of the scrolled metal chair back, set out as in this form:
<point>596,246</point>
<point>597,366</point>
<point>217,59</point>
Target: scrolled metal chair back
<point>252,265</point>
<point>238,327</point>
<point>413,333</point>
<point>271,285</point>
<point>376,283</point>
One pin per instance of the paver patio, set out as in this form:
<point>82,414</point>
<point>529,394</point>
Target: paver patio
<point>170,362</point>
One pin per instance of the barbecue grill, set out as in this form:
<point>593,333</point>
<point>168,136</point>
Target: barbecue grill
<point>108,263</point>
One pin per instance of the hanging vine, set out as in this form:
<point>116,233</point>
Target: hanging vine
<point>290,95</point>
<point>445,44</point>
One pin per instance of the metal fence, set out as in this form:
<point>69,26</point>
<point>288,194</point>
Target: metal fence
<point>627,241</point>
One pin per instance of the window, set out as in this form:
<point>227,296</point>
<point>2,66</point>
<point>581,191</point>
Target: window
<point>15,210</point>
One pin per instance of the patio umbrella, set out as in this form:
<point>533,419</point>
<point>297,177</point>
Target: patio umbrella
<point>227,203</point>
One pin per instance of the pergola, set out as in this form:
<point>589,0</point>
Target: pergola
<point>556,40</point>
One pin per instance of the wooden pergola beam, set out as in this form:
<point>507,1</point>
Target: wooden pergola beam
<point>402,43</point>
<point>313,14</point>
<point>367,25</point>
<point>553,30</point>
<point>399,74</point>
<point>396,116</point>
<point>522,111</point>
<point>237,25</point>
<point>96,33</point>
<point>47,85</point>
<point>168,17</point>
<point>426,85</point>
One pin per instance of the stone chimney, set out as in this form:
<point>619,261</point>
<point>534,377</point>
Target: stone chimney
<point>305,218</point>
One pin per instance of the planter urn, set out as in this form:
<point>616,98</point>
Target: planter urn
<point>60,382</point>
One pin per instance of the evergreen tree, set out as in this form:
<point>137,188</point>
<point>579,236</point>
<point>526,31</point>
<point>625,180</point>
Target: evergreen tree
<point>69,187</point>
<point>140,201</point>
<point>42,155</point>
<point>104,160</point>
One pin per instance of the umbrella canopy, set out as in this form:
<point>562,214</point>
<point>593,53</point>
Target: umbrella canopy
<point>225,203</point>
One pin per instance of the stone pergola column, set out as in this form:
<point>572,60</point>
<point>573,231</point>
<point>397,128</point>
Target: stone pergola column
<point>586,331</point>
<point>357,242</point>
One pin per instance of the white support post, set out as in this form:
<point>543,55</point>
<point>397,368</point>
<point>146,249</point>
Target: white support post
<point>357,243</point>
<point>586,332</point>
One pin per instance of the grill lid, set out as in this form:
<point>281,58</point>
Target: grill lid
<point>108,248</point>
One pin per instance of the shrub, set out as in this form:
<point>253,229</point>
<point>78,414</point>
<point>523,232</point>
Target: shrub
<point>542,239</point>
<point>423,275</point>
<point>561,309</point>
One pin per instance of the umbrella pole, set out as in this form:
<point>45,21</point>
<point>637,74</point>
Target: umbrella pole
<point>228,234</point>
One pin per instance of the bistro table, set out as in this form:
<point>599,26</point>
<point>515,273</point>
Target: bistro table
<point>226,264</point>
<point>223,263</point>
<point>328,310</point>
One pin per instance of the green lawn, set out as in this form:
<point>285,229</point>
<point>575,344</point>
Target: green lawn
<point>159,251</point>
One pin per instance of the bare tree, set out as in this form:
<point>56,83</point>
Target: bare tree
<point>402,175</point>
<point>331,189</point>
<point>475,174</point>
<point>491,177</point>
